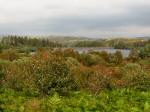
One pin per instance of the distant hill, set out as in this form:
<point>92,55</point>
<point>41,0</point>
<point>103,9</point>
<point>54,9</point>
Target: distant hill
<point>145,38</point>
<point>68,38</point>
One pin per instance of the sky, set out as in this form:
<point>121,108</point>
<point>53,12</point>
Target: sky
<point>87,18</point>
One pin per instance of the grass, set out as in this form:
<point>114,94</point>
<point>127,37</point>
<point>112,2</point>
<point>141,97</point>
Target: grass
<point>123,100</point>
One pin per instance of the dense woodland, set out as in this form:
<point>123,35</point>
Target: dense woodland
<point>15,41</point>
<point>38,75</point>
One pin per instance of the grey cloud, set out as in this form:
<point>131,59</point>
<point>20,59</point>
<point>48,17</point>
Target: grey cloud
<point>134,15</point>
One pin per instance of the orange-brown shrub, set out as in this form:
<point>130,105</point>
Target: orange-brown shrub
<point>45,72</point>
<point>97,77</point>
<point>10,55</point>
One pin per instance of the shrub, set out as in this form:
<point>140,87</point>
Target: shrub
<point>115,58</point>
<point>105,56</point>
<point>145,51</point>
<point>44,73</point>
<point>134,55</point>
<point>93,79</point>
<point>1,76</point>
<point>91,59</point>
<point>9,55</point>
<point>135,77</point>
<point>70,53</point>
<point>72,62</point>
<point>118,57</point>
<point>19,76</point>
<point>53,75</point>
<point>3,65</point>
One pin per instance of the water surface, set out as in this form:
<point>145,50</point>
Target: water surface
<point>125,52</point>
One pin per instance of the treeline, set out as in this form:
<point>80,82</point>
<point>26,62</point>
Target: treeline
<point>115,43</point>
<point>127,43</point>
<point>120,43</point>
<point>94,43</point>
<point>26,41</point>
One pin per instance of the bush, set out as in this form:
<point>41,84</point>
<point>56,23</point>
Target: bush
<point>54,75</point>
<point>134,55</point>
<point>135,77</point>
<point>9,55</point>
<point>18,76</point>
<point>44,73</point>
<point>105,56</point>
<point>145,51</point>
<point>70,53</point>
<point>93,79</point>
<point>72,62</point>
<point>118,57</point>
<point>91,59</point>
<point>3,65</point>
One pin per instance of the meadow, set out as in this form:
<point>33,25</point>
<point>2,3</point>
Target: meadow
<point>39,75</point>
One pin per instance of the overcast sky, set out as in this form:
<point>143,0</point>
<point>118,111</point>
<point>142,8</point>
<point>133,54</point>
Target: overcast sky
<point>90,18</point>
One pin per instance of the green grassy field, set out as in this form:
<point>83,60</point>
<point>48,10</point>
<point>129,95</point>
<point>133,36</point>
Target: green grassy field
<point>123,100</point>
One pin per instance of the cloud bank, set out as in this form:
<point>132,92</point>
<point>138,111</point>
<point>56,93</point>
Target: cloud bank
<point>91,18</point>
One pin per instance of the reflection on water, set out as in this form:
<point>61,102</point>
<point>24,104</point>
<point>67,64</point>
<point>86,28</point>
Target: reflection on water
<point>125,52</point>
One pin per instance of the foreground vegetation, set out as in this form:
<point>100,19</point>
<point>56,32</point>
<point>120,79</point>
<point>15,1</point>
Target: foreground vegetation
<point>123,100</point>
<point>45,78</point>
